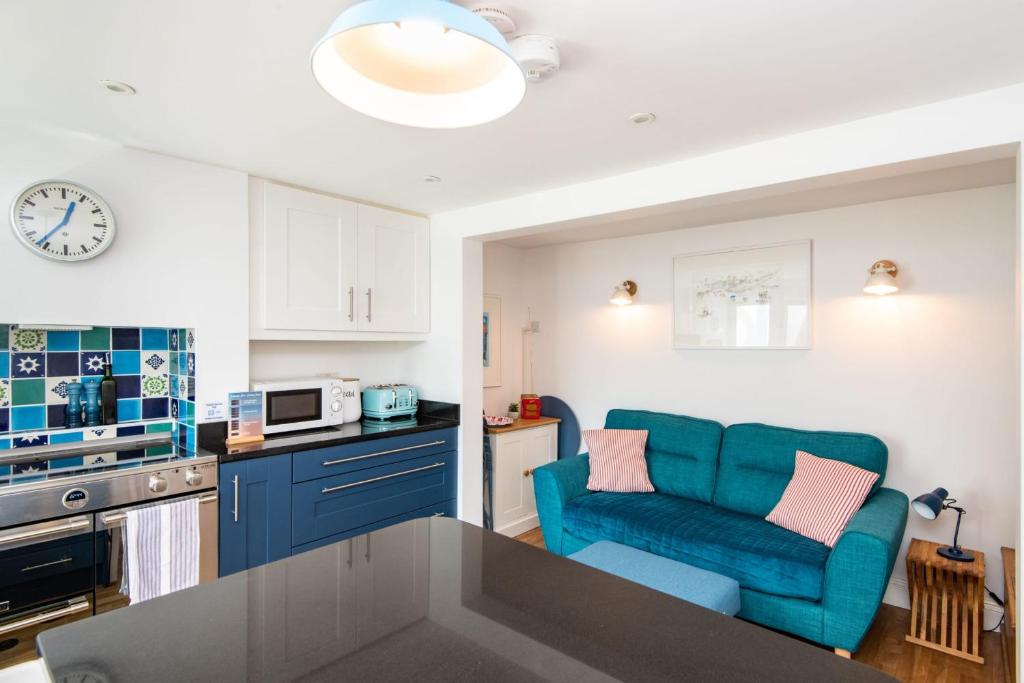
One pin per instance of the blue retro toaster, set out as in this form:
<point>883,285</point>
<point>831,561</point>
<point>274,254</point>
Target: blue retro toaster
<point>383,401</point>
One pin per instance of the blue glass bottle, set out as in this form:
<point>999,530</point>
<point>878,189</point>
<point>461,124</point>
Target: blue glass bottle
<point>92,404</point>
<point>73,413</point>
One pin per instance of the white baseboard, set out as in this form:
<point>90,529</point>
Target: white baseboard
<point>520,526</point>
<point>898,594</point>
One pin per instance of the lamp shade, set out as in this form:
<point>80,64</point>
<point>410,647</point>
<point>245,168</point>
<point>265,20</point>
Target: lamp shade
<point>882,279</point>
<point>929,505</point>
<point>423,63</point>
<point>623,294</point>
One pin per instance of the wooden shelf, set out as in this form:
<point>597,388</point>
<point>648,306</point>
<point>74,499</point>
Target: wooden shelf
<point>524,424</point>
<point>1009,629</point>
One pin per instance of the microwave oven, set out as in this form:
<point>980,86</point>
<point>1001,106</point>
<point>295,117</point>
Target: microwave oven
<point>296,404</point>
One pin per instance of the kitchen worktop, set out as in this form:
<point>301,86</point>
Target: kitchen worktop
<point>430,599</point>
<point>432,415</point>
<point>522,424</point>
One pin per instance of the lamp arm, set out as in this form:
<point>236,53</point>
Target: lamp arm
<point>956,534</point>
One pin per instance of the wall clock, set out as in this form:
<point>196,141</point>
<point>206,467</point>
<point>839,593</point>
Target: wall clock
<point>61,220</point>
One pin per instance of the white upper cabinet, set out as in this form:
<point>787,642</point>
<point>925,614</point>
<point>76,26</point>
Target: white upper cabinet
<point>327,268</point>
<point>393,265</point>
<point>309,262</point>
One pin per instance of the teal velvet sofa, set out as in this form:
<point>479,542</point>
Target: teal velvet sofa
<point>713,488</point>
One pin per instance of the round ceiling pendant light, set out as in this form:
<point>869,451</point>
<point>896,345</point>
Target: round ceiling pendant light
<point>422,63</point>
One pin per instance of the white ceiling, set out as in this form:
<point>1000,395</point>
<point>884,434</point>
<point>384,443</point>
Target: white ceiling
<point>228,82</point>
<point>875,185</point>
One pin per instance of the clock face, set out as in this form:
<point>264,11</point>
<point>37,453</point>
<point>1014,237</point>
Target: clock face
<point>62,221</point>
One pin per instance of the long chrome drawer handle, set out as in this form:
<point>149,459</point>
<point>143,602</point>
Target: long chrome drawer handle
<point>74,607</point>
<point>115,517</point>
<point>332,489</point>
<point>328,463</point>
<point>63,560</point>
<point>71,525</point>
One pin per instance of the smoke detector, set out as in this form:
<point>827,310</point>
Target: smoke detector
<point>499,19</point>
<point>538,55</point>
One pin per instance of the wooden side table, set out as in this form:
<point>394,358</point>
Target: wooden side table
<point>946,601</point>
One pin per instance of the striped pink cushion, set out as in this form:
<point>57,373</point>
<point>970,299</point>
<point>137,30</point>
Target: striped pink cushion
<point>821,497</point>
<point>617,460</point>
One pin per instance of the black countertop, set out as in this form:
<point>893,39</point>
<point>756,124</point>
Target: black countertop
<point>429,600</point>
<point>432,415</point>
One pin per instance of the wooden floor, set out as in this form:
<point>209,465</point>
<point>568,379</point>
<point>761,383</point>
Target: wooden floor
<point>884,648</point>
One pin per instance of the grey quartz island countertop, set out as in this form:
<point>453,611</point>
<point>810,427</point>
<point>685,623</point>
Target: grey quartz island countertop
<point>429,600</point>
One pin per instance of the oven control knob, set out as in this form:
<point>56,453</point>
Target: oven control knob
<point>335,406</point>
<point>157,483</point>
<point>335,390</point>
<point>193,477</point>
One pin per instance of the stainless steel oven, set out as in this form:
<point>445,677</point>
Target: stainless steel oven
<point>61,540</point>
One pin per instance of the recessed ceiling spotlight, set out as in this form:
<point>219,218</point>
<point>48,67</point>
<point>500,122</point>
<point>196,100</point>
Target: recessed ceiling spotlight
<point>431,179</point>
<point>118,87</point>
<point>643,118</point>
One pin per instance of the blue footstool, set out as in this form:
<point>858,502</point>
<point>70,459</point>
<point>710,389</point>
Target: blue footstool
<point>701,587</point>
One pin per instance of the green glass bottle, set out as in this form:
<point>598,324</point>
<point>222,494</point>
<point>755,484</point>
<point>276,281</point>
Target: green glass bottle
<point>108,395</point>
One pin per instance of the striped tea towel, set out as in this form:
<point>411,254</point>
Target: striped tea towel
<point>161,549</point>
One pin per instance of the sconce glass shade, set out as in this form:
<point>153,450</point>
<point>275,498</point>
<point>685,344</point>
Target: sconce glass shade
<point>929,505</point>
<point>882,279</point>
<point>623,294</point>
<point>422,63</point>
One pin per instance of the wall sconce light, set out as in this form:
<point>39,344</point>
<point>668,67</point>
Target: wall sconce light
<point>624,293</point>
<point>882,279</point>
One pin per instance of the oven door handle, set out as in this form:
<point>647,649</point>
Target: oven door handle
<point>115,518</point>
<point>73,606</point>
<point>71,525</point>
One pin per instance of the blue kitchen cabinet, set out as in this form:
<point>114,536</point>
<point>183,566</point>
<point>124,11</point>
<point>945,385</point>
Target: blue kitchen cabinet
<point>255,512</point>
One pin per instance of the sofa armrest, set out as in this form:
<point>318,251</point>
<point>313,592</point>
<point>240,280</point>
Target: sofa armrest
<point>554,485</point>
<point>859,567</point>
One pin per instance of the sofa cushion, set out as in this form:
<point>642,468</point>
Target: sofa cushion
<point>617,461</point>
<point>822,497</point>
<point>682,452</point>
<point>757,461</point>
<point>758,554</point>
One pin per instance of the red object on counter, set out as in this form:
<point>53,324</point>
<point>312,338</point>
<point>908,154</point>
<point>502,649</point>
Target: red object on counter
<point>529,407</point>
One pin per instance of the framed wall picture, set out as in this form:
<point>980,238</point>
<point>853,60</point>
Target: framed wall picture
<point>749,298</point>
<point>492,341</point>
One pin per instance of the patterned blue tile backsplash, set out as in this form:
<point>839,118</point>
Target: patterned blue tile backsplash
<point>155,370</point>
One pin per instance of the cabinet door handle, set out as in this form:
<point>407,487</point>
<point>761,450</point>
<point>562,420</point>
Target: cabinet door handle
<point>351,303</point>
<point>234,503</point>
<point>332,489</point>
<point>328,463</point>
<point>369,305</point>
<point>527,473</point>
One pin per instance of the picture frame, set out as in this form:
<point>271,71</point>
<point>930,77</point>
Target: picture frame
<point>492,341</point>
<point>745,298</point>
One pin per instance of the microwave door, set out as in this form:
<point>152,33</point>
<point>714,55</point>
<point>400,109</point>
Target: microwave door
<point>292,409</point>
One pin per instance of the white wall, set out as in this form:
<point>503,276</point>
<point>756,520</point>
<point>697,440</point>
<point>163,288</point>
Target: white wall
<point>180,257</point>
<point>932,370</point>
<point>503,277</point>
<point>370,362</point>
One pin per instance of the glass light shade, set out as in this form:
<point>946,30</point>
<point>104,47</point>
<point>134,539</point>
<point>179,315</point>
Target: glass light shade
<point>881,282</point>
<point>422,63</point>
<point>621,297</point>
